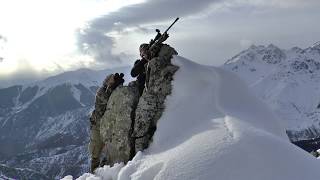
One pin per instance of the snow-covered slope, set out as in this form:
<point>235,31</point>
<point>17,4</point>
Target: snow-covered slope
<point>8,173</point>
<point>288,81</point>
<point>214,128</point>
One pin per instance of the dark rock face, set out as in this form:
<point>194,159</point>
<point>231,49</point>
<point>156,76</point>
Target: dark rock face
<point>129,121</point>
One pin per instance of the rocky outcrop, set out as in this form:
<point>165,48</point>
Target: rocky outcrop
<point>151,103</point>
<point>116,124</point>
<point>130,121</point>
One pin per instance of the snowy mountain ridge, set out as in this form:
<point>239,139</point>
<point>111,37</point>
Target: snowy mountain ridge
<point>81,78</point>
<point>47,121</point>
<point>84,76</point>
<point>288,81</point>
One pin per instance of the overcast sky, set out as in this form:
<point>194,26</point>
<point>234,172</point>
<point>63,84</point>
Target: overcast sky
<point>43,37</point>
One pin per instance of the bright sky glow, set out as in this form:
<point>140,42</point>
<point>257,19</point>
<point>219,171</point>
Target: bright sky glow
<point>40,33</point>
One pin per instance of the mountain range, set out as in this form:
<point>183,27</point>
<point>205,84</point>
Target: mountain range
<point>44,125</point>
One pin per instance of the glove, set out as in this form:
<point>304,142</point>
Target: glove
<point>109,80</point>
<point>118,79</point>
<point>113,81</point>
<point>92,119</point>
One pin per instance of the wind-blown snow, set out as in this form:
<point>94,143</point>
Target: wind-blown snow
<point>213,128</point>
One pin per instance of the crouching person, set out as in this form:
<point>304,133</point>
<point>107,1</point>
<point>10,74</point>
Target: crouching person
<point>102,96</point>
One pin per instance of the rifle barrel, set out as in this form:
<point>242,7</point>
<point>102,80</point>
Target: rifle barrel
<point>172,24</point>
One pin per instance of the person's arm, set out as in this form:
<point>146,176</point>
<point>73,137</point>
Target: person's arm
<point>138,67</point>
<point>102,96</point>
<point>104,92</point>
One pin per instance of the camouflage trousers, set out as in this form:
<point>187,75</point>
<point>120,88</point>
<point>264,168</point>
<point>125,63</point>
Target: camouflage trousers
<point>95,146</point>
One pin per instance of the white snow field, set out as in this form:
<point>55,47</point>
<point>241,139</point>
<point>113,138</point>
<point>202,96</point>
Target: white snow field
<point>213,127</point>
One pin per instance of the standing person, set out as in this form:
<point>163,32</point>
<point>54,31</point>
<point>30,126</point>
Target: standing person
<point>102,96</point>
<point>139,69</point>
<point>147,52</point>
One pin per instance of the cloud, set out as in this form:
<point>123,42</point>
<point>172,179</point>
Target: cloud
<point>284,4</point>
<point>3,40</point>
<point>292,3</point>
<point>219,27</point>
<point>93,39</point>
<point>24,73</point>
<point>209,32</point>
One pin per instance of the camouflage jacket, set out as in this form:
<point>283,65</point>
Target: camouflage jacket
<point>102,98</point>
<point>154,50</point>
<point>140,67</point>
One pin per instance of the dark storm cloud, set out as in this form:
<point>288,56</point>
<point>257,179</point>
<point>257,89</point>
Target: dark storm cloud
<point>94,41</point>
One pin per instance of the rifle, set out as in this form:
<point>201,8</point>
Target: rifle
<point>161,37</point>
<point>153,45</point>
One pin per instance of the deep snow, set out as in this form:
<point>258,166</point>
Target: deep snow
<point>214,128</point>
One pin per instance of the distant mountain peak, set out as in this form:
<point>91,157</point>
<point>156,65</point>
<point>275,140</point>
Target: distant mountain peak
<point>288,80</point>
<point>270,54</point>
<point>296,49</point>
<point>273,46</point>
<point>316,45</point>
<point>85,76</point>
<point>253,47</point>
<point>313,50</point>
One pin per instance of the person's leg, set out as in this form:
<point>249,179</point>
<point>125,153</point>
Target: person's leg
<point>141,88</point>
<point>95,147</point>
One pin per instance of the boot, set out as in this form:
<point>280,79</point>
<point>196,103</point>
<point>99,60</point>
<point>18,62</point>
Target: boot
<point>103,162</point>
<point>95,162</point>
